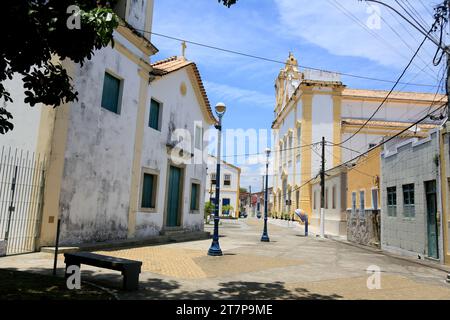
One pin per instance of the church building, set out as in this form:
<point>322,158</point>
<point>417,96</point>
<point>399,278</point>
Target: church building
<point>314,104</point>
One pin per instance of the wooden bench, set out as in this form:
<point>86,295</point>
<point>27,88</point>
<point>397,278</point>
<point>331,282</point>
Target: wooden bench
<point>130,269</point>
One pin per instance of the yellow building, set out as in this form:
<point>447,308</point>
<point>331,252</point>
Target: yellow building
<point>363,199</point>
<point>313,104</point>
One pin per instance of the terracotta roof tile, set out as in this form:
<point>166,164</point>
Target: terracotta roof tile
<point>384,124</point>
<point>381,94</point>
<point>172,64</point>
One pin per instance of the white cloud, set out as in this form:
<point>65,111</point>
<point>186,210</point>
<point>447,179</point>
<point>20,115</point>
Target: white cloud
<point>323,23</point>
<point>251,98</point>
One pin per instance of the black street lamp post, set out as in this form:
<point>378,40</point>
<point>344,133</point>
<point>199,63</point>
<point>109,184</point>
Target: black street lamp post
<point>265,235</point>
<point>215,250</point>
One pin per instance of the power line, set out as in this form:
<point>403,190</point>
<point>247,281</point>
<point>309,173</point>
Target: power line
<point>388,95</point>
<point>411,16</point>
<point>272,151</point>
<point>391,138</point>
<point>415,12</point>
<point>397,19</point>
<point>363,173</point>
<point>404,41</point>
<point>298,188</point>
<point>331,144</point>
<point>426,8</point>
<point>346,12</point>
<point>279,61</point>
<point>434,103</point>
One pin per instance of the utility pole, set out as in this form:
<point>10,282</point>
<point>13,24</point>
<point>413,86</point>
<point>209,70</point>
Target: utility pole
<point>322,192</point>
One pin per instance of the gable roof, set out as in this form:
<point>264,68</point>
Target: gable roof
<point>167,66</point>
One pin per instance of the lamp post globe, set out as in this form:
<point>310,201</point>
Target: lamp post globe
<point>221,108</point>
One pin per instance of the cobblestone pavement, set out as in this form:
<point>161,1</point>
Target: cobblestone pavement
<point>291,266</point>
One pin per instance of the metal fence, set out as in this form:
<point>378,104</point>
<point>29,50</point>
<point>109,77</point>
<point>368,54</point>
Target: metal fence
<point>21,198</point>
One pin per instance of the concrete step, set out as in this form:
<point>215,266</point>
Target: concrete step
<point>120,244</point>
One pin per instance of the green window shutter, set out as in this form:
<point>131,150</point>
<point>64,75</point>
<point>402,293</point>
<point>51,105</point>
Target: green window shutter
<point>147,191</point>
<point>154,115</point>
<point>110,97</point>
<point>194,197</point>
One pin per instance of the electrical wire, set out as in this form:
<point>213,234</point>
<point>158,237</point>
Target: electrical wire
<point>278,61</point>
<point>391,138</point>
<point>388,95</point>
<point>264,153</point>
<point>349,14</point>
<point>404,41</point>
<point>434,103</point>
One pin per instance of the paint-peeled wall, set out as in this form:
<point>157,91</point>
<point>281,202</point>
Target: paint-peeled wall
<point>95,189</point>
<point>178,112</point>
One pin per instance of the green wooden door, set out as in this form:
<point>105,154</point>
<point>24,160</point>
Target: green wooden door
<point>430,189</point>
<point>173,198</point>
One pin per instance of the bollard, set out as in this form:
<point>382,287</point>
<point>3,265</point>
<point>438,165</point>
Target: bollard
<point>306,225</point>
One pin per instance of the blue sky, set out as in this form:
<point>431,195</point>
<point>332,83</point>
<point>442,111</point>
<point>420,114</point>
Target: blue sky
<point>321,34</point>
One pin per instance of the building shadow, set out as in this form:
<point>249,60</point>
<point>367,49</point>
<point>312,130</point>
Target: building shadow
<point>160,289</point>
<point>234,290</point>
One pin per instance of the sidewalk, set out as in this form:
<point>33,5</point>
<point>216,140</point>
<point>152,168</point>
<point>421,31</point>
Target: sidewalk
<point>290,266</point>
<point>314,231</point>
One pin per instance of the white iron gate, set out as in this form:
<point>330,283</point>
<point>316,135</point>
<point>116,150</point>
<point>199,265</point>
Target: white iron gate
<point>21,191</point>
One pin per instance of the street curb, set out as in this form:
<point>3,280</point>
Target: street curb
<point>422,263</point>
<point>157,240</point>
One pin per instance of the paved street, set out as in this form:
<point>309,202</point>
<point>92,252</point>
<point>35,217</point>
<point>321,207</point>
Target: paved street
<point>289,267</point>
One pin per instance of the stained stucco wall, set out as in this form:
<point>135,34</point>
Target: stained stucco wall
<point>95,190</point>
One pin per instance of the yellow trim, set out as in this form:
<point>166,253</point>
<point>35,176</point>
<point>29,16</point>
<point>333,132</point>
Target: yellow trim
<point>52,140</point>
<point>140,42</point>
<point>149,17</point>
<point>194,82</point>
<point>137,155</point>
<point>306,155</point>
<point>384,132</point>
<point>424,103</point>
<point>337,129</point>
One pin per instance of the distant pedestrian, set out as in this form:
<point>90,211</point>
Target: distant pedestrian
<point>304,218</point>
